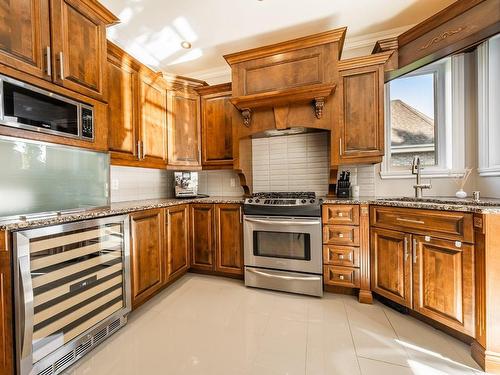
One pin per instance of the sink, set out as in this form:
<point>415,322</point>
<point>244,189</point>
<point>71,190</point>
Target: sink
<point>445,200</point>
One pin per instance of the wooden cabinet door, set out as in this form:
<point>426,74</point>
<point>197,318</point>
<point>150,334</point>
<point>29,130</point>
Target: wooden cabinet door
<point>443,282</point>
<point>202,236</point>
<point>391,265</point>
<point>361,115</point>
<point>183,129</point>
<point>216,128</point>
<point>147,255</point>
<point>25,36</point>
<point>79,47</point>
<point>177,222</point>
<point>229,239</point>
<point>153,117</point>
<point>122,107</point>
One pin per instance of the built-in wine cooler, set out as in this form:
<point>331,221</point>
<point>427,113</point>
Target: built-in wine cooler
<point>72,291</point>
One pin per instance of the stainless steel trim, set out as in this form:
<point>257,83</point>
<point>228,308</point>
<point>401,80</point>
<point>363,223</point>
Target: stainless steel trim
<point>283,277</point>
<point>286,281</point>
<point>139,150</point>
<point>48,61</point>
<point>14,124</point>
<point>80,125</point>
<point>410,220</point>
<point>283,222</point>
<point>61,65</point>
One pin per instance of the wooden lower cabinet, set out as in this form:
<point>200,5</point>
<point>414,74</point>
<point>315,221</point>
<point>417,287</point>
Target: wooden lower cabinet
<point>6,309</point>
<point>229,239</point>
<point>217,238</point>
<point>391,265</point>
<point>203,237</point>
<point>147,254</point>
<point>177,240</point>
<point>443,282</point>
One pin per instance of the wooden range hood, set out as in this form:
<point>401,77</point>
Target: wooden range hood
<point>303,83</point>
<point>284,85</point>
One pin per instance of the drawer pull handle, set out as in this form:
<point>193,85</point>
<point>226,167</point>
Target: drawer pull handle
<point>410,220</point>
<point>340,214</point>
<point>341,235</point>
<point>341,256</point>
<point>406,248</point>
<point>341,277</point>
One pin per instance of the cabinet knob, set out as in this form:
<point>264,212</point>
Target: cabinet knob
<point>341,277</point>
<point>340,214</point>
<point>341,235</point>
<point>341,256</point>
<point>458,244</point>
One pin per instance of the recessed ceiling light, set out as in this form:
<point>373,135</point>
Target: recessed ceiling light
<point>185,44</point>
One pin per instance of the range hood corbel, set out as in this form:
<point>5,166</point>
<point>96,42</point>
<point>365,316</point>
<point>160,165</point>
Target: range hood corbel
<point>315,94</point>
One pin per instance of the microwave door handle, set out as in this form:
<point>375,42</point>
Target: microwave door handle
<point>26,304</point>
<point>282,222</point>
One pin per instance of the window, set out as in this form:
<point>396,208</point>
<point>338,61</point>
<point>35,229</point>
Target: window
<point>421,120</point>
<point>488,58</point>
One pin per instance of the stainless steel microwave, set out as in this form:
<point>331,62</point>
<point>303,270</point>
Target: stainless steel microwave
<point>28,107</point>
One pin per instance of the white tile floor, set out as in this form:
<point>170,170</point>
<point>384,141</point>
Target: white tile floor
<point>209,325</point>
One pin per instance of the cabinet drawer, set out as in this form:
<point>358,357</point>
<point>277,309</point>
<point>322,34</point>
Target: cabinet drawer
<point>341,255</point>
<point>341,276</point>
<point>447,225</point>
<point>341,235</point>
<point>341,214</point>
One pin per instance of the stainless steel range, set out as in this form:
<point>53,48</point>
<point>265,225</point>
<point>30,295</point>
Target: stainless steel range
<point>282,240</point>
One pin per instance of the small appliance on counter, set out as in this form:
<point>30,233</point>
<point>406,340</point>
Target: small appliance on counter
<point>186,184</point>
<point>344,185</point>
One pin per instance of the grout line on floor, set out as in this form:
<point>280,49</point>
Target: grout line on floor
<point>352,337</point>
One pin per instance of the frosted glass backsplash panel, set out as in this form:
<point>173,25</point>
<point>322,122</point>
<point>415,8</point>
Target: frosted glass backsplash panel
<point>39,177</point>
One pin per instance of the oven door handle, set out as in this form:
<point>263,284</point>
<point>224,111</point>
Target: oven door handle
<point>283,277</point>
<point>283,222</point>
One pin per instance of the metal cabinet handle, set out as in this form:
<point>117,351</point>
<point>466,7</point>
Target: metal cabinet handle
<point>282,222</point>
<point>406,249</point>
<point>139,150</point>
<point>341,277</point>
<point>241,215</point>
<point>143,149</point>
<point>341,235</point>
<point>340,146</point>
<point>340,214</point>
<point>27,305</point>
<point>341,256</point>
<point>410,220</point>
<point>61,65</point>
<point>415,244</point>
<point>48,61</point>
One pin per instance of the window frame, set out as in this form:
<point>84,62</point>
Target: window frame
<point>487,153</point>
<point>449,108</point>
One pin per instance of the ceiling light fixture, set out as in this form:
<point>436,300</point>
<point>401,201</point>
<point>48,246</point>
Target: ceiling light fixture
<point>185,44</point>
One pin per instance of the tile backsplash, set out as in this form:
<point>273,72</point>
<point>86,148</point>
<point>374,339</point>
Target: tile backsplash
<point>128,183</point>
<point>223,183</point>
<point>291,163</point>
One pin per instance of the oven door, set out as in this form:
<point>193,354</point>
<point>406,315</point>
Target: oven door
<point>283,243</point>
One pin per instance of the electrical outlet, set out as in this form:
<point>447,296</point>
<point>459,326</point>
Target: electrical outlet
<point>115,184</point>
<point>233,182</point>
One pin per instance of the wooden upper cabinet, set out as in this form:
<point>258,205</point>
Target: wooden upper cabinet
<point>391,265</point>
<point>122,105</point>
<point>183,129</point>
<point>177,229</point>
<point>79,45</point>
<point>147,254</point>
<point>216,126</point>
<point>152,124</point>
<point>443,282</point>
<point>229,239</point>
<point>360,136</point>
<point>202,236</point>
<point>25,36</point>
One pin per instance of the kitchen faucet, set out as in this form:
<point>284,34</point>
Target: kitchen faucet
<point>416,168</point>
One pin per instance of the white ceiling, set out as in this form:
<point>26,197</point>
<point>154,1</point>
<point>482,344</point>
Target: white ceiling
<point>152,30</point>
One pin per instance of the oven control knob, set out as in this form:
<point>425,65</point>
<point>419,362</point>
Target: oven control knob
<point>303,201</point>
<point>257,200</point>
<point>250,200</point>
<point>312,201</point>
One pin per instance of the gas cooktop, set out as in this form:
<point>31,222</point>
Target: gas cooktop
<point>281,203</point>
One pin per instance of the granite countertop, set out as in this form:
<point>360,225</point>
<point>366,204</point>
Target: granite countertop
<point>485,205</point>
<point>119,208</point>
